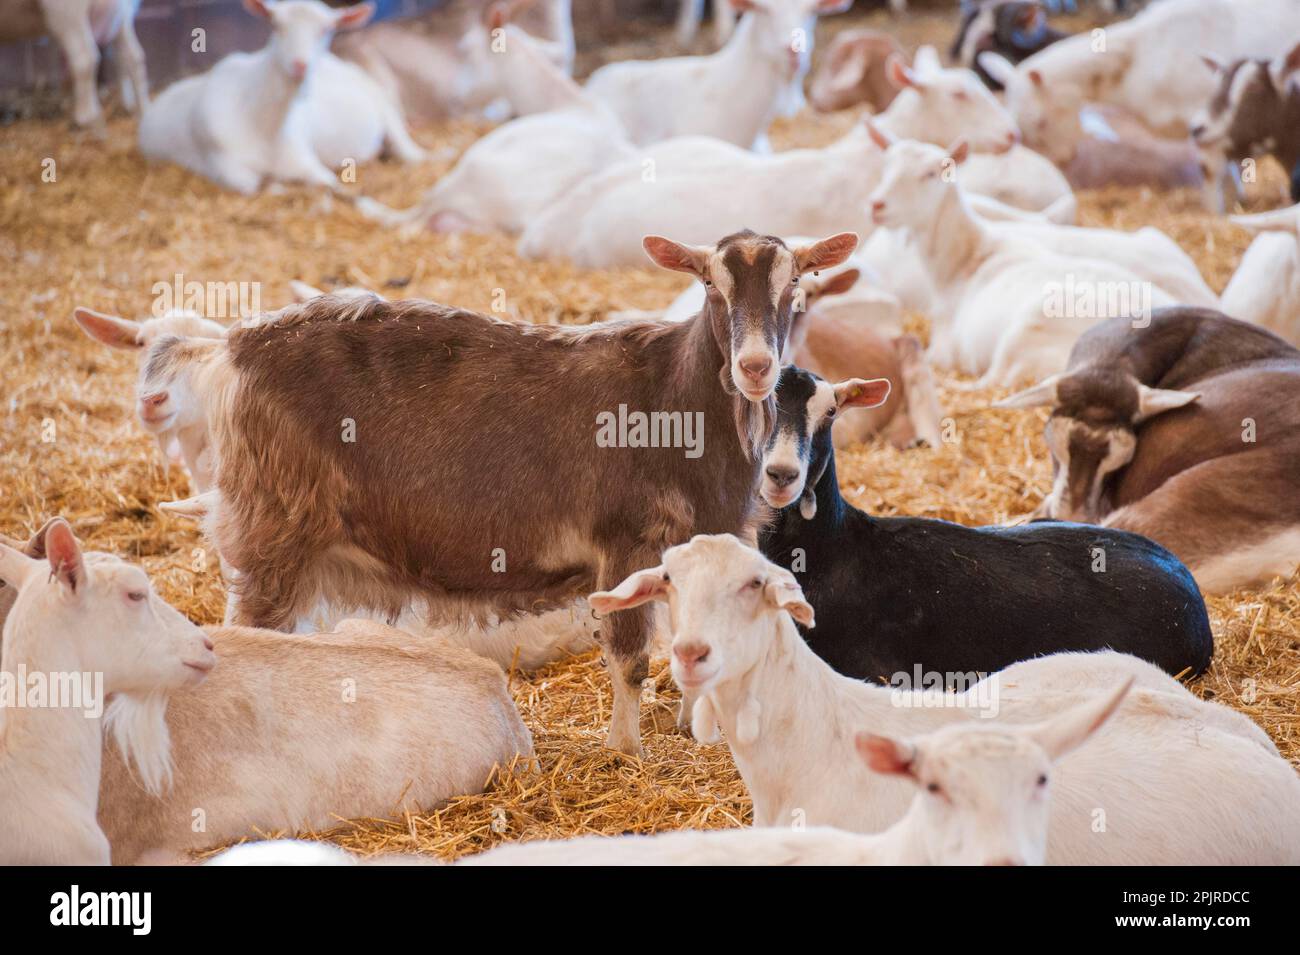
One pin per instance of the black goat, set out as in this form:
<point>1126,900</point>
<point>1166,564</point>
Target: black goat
<point>896,594</point>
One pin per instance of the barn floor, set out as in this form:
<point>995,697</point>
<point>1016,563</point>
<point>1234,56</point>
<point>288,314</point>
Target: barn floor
<point>111,226</point>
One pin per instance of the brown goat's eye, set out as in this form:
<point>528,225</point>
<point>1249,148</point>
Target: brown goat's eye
<point>830,412</point>
<point>933,788</point>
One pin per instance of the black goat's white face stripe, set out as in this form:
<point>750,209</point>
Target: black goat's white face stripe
<point>791,446</point>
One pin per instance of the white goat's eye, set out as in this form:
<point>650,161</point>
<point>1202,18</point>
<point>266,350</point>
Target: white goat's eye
<point>933,788</point>
<point>755,584</point>
<point>136,595</point>
<point>1042,780</point>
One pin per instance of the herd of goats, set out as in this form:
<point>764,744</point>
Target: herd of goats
<point>678,468</point>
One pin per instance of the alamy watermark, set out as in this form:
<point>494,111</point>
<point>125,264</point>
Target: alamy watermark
<point>215,300</point>
<point>651,429</point>
<point>74,690</point>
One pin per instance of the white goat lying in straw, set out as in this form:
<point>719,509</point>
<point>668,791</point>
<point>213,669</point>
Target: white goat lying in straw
<point>372,720</point>
<point>1005,307</point>
<point>790,721</point>
<point>982,798</point>
<point>291,111</point>
<point>87,616</point>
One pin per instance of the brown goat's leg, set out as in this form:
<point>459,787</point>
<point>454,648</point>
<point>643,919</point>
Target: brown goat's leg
<point>625,636</point>
<point>270,594</point>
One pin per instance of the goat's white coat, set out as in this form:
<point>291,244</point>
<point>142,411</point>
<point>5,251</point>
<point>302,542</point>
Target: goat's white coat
<point>1265,289</point>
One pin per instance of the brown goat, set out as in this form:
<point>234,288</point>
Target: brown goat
<point>371,452</point>
<point>1255,111</point>
<point>854,71</point>
<point>1186,431</point>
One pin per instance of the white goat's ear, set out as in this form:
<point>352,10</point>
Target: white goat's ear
<point>350,18</point>
<point>861,393</point>
<point>1154,401</point>
<point>704,721</point>
<point>108,329</point>
<point>302,292</point>
<point>638,588</point>
<point>825,253</point>
<point>959,151</point>
<point>884,754</point>
<point>926,60</point>
<point>882,138</point>
<point>668,254</point>
<point>15,566</point>
<point>783,592</point>
<point>1070,729</point>
<point>1041,394</point>
<point>901,75</point>
<point>997,66</point>
<point>195,508</point>
<point>64,554</point>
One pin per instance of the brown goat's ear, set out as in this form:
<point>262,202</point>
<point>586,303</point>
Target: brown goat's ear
<point>1154,401</point>
<point>884,754</point>
<point>108,329</point>
<point>1043,393</point>
<point>668,254</point>
<point>638,588</point>
<point>825,253</point>
<point>860,393</point>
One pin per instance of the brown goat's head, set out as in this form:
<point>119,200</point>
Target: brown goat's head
<point>1092,432</point>
<point>750,282</point>
<point>1248,108</point>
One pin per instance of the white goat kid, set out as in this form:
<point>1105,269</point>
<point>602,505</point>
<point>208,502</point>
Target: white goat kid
<point>1005,307</point>
<point>731,95</point>
<point>76,615</point>
<point>172,415</point>
<point>982,798</point>
<point>79,27</point>
<point>291,111</point>
<point>787,717</point>
<point>1265,289</point>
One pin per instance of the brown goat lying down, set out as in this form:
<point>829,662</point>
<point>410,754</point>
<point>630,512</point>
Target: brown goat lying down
<point>374,452</point>
<point>293,732</point>
<point>1186,431</point>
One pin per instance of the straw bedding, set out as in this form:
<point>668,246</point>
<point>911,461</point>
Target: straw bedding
<point>111,226</point>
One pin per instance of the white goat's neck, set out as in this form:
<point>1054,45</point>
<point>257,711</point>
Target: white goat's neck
<point>798,736</point>
<point>57,748</point>
<point>276,92</point>
<point>743,72</point>
<point>954,244</point>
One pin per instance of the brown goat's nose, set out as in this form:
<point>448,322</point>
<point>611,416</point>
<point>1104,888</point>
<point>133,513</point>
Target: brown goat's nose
<point>691,653</point>
<point>782,476</point>
<point>756,368</point>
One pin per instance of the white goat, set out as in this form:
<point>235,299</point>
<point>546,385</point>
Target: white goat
<point>77,617</point>
<point>379,721</point>
<point>1005,307</point>
<point>1149,65</point>
<point>789,720</point>
<point>508,176</point>
<point>982,798</point>
<point>291,111</point>
<point>699,188</point>
<point>80,27</point>
<point>1265,289</point>
<point>171,415</point>
<point>732,94</point>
